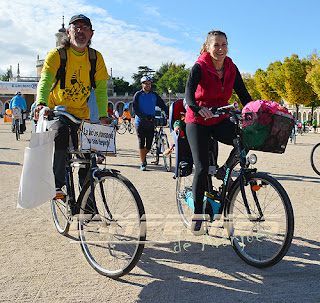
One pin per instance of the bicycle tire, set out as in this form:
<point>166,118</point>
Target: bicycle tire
<point>315,158</point>
<point>184,197</point>
<point>112,236</point>
<point>154,152</point>
<point>121,128</point>
<point>260,242</point>
<point>17,128</point>
<point>131,128</point>
<point>164,146</point>
<point>61,215</point>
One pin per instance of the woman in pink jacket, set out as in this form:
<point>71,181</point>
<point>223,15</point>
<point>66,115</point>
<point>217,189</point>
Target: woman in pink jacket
<point>210,84</point>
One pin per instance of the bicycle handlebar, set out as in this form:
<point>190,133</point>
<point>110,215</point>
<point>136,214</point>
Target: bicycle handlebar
<point>60,111</point>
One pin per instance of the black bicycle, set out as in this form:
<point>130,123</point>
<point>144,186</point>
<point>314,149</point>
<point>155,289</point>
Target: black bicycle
<point>159,146</point>
<point>256,210</point>
<point>109,211</point>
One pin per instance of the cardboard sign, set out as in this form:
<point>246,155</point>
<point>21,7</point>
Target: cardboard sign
<point>97,137</point>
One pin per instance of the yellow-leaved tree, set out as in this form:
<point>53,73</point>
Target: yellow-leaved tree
<point>298,91</point>
<point>265,89</point>
<point>313,78</point>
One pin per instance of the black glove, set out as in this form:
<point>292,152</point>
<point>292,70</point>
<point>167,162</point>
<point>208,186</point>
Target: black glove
<point>149,117</point>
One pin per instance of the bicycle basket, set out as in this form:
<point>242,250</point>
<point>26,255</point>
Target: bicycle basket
<point>160,121</point>
<point>97,137</point>
<point>266,132</point>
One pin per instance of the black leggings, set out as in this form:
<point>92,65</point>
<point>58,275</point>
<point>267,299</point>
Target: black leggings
<point>198,138</point>
<point>62,128</point>
<point>145,135</point>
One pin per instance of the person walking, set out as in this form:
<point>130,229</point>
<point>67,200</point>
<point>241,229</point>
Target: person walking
<point>211,82</point>
<point>77,80</point>
<point>314,124</point>
<point>19,101</point>
<point>144,107</point>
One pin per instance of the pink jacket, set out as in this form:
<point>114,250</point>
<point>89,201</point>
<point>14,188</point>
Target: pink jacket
<point>210,92</point>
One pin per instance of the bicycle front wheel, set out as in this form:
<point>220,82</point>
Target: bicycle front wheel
<point>121,128</point>
<point>112,228</point>
<point>154,153</point>
<point>165,146</point>
<point>261,231</point>
<point>315,158</point>
<point>184,196</point>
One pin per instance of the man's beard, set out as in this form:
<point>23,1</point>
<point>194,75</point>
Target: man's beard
<point>80,44</point>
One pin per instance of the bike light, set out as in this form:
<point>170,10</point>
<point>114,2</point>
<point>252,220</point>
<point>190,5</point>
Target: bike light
<point>253,159</point>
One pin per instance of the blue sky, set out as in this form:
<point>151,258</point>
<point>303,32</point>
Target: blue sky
<point>131,33</point>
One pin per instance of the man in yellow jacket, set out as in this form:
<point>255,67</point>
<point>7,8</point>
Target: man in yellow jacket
<point>76,91</point>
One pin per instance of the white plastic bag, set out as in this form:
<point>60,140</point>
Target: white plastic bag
<point>37,183</point>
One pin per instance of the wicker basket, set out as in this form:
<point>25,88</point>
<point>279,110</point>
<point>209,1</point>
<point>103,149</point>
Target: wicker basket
<point>266,131</point>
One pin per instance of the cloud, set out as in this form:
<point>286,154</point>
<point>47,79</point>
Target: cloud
<point>28,29</point>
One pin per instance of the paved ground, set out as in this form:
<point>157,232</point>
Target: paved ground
<point>39,265</point>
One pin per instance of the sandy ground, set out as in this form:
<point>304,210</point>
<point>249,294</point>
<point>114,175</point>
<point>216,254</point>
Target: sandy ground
<point>39,265</point>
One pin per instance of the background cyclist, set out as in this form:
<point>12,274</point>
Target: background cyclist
<point>144,106</point>
<point>76,93</point>
<point>19,101</point>
<point>210,84</point>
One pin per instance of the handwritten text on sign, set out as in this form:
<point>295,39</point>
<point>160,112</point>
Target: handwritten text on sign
<point>97,137</point>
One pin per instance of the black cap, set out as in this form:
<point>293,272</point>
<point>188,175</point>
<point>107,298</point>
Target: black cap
<point>80,17</point>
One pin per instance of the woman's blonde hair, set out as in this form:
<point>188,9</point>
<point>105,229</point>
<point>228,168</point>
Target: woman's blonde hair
<point>210,35</point>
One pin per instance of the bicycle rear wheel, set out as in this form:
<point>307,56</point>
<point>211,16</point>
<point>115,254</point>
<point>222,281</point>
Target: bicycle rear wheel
<point>315,158</point>
<point>131,128</point>
<point>61,215</point>
<point>262,236</point>
<point>17,128</point>
<point>112,230</point>
<point>165,146</point>
<point>184,196</point>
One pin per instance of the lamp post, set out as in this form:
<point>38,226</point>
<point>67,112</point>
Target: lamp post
<point>169,91</point>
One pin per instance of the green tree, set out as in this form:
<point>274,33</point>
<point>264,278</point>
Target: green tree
<point>160,72</point>
<point>6,75</point>
<point>175,78</point>
<point>121,86</point>
<point>142,71</point>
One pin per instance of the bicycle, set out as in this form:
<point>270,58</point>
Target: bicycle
<point>16,116</point>
<point>293,136</point>
<point>255,209</point>
<point>315,158</point>
<point>125,125</point>
<point>109,212</point>
<point>159,145</point>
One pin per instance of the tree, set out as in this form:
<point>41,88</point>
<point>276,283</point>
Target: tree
<point>298,91</point>
<point>6,76</point>
<point>160,72</point>
<point>175,78</point>
<point>313,73</point>
<point>250,84</point>
<point>265,89</point>
<point>122,86</point>
<point>142,71</point>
